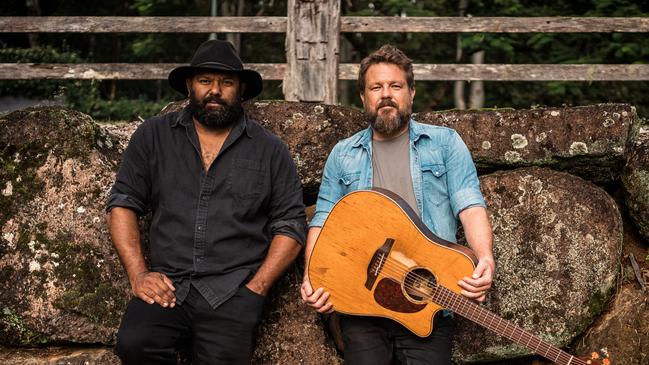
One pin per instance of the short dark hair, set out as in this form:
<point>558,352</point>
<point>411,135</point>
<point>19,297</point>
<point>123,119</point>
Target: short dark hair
<point>386,54</point>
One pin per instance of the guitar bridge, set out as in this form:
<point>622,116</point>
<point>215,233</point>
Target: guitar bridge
<point>376,263</point>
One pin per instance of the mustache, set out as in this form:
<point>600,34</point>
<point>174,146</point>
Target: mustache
<point>387,102</point>
<point>213,99</point>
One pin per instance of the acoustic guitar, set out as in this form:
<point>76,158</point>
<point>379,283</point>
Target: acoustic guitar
<point>376,258</point>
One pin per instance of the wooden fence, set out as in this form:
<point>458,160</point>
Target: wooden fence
<point>312,46</point>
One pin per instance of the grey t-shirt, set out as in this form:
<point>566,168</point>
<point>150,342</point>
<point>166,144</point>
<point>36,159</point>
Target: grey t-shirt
<point>391,167</point>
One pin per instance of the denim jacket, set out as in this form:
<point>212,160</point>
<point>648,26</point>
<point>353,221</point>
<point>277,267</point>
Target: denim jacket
<point>444,177</point>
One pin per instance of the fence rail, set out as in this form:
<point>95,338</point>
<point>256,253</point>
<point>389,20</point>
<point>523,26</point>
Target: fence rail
<point>346,71</point>
<point>348,24</point>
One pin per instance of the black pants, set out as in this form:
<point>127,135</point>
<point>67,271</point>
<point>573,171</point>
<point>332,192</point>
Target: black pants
<point>151,334</point>
<point>381,341</point>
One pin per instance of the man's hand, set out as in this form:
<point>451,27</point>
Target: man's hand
<point>479,283</point>
<point>154,287</point>
<point>315,299</point>
<point>257,288</point>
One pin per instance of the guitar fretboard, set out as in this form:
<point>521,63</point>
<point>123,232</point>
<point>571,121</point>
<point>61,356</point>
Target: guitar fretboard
<point>476,313</point>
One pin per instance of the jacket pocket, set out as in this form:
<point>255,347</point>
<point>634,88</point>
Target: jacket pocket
<point>350,181</point>
<point>434,183</point>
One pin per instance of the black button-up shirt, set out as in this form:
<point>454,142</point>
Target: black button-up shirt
<point>210,229</point>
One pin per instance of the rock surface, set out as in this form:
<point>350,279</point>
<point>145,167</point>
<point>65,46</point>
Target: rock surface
<point>557,239</point>
<point>59,277</point>
<point>291,332</point>
<point>58,356</point>
<point>623,331</point>
<point>636,180</point>
<point>587,141</point>
<point>557,245</point>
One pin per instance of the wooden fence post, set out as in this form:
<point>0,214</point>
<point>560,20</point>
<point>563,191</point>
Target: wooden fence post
<point>312,42</point>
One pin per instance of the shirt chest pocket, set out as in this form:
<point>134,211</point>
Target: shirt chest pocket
<point>350,181</point>
<point>434,184</point>
<point>246,179</point>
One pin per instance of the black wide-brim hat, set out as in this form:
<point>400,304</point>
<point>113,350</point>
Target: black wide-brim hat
<point>216,55</point>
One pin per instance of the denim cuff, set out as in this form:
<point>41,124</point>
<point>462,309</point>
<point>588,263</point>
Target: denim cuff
<point>465,198</point>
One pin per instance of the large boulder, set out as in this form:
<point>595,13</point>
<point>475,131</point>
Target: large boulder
<point>623,331</point>
<point>557,239</point>
<point>557,245</point>
<point>291,332</point>
<point>588,141</point>
<point>636,180</point>
<point>60,280</point>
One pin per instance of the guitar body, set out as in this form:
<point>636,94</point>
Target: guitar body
<point>376,258</point>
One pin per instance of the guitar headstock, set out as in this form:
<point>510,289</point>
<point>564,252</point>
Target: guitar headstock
<point>598,358</point>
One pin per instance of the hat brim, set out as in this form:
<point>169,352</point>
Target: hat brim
<point>251,78</point>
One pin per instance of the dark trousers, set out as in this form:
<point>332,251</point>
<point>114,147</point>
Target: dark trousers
<point>381,341</point>
<point>151,334</point>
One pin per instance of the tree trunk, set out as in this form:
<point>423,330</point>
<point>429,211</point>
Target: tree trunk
<point>347,90</point>
<point>476,97</point>
<point>458,86</point>
<point>230,8</point>
<point>33,9</point>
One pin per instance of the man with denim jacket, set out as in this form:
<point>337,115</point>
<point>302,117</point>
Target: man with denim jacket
<point>440,184</point>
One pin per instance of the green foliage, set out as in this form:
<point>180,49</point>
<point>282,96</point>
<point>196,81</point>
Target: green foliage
<point>119,109</point>
<point>91,102</point>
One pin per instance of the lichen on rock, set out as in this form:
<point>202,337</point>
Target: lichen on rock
<point>59,268</point>
<point>557,245</point>
<point>636,179</point>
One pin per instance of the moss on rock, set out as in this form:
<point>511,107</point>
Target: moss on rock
<point>16,331</point>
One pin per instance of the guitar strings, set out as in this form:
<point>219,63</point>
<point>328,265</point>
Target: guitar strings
<point>399,270</point>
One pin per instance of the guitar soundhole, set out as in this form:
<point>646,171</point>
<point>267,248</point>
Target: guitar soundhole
<point>419,285</point>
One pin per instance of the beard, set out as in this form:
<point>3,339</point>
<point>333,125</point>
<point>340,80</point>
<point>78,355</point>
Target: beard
<point>222,118</point>
<point>388,125</point>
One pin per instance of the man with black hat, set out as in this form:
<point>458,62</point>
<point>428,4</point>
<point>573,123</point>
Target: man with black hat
<point>227,218</point>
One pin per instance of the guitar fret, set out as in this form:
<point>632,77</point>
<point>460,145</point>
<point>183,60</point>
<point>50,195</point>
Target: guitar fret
<point>481,316</point>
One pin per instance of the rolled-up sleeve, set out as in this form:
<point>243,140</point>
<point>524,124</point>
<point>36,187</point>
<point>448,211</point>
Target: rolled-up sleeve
<point>463,184</point>
<point>287,215</point>
<point>133,184</point>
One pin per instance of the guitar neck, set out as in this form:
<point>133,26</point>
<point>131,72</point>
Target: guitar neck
<point>476,313</point>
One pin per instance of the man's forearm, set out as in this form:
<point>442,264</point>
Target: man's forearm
<point>282,252</point>
<point>311,237</point>
<point>125,234</point>
<point>477,231</point>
